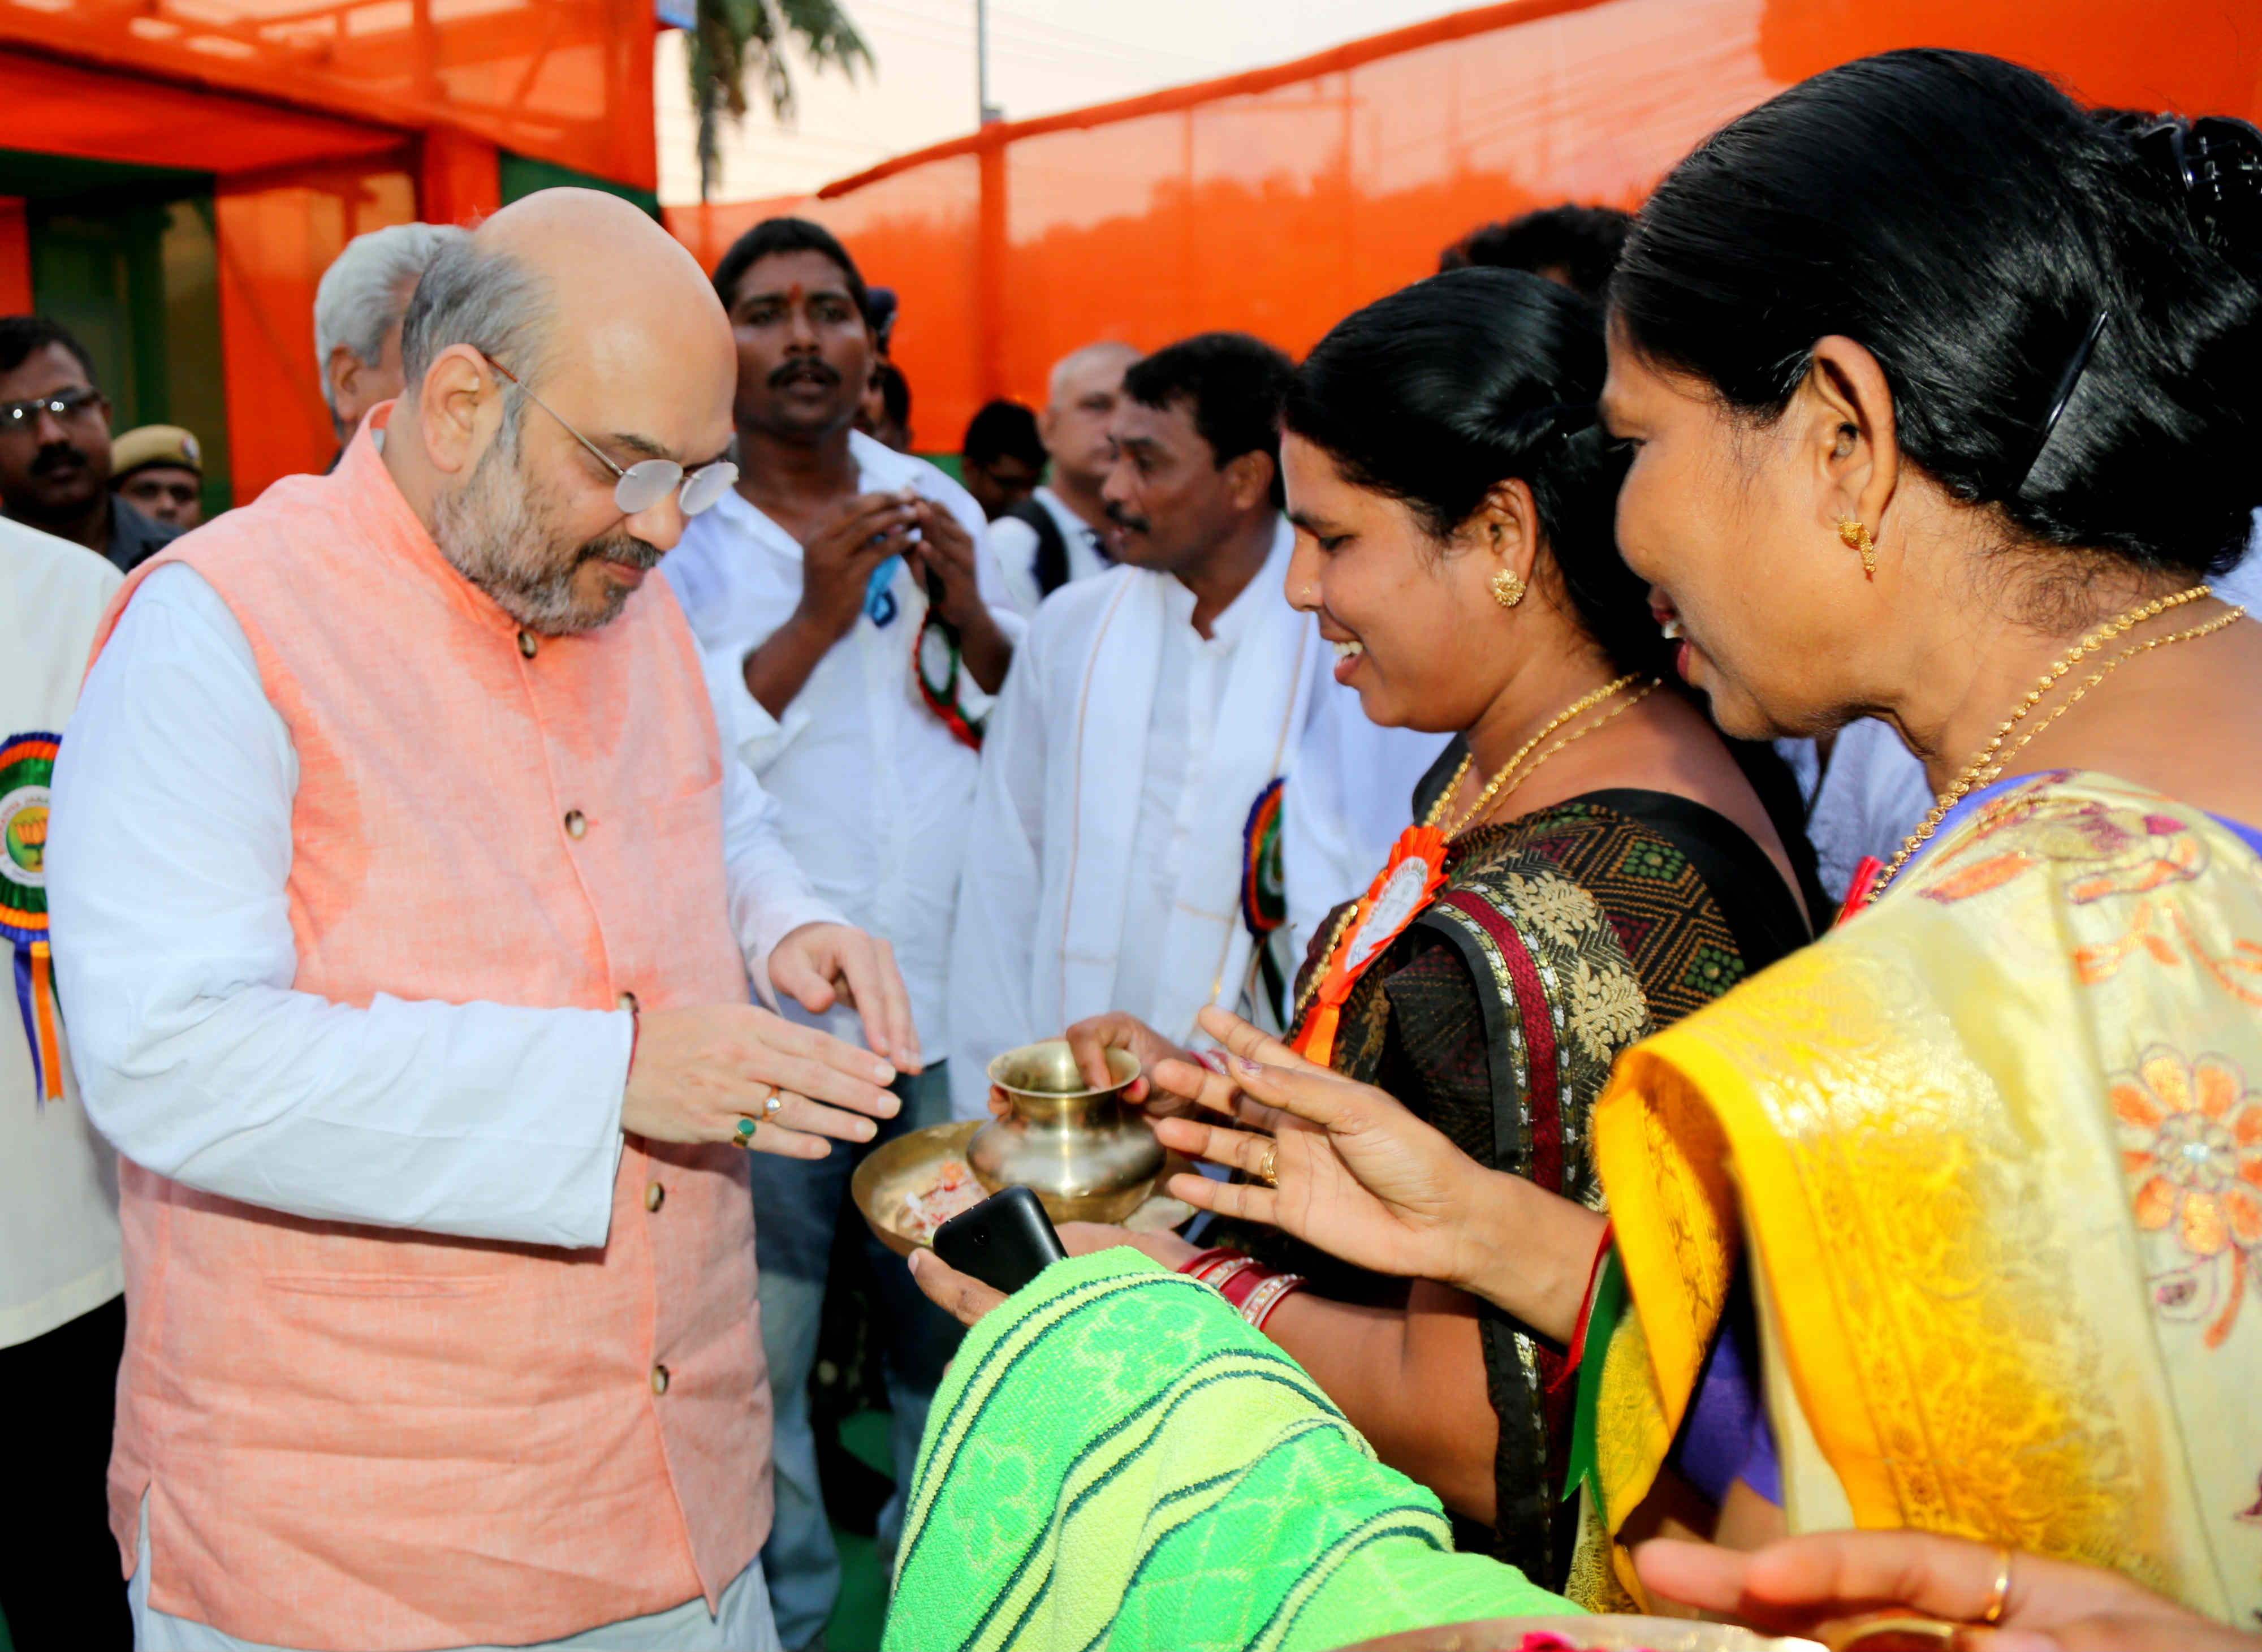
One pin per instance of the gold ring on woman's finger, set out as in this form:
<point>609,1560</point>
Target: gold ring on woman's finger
<point>1268,1168</point>
<point>747,1129</point>
<point>1999,1596</point>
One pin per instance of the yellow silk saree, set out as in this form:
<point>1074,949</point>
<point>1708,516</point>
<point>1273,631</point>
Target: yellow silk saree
<point>1993,1154</point>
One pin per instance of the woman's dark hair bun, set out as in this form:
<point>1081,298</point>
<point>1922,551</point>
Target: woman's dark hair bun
<point>1969,224</point>
<point>1432,395</point>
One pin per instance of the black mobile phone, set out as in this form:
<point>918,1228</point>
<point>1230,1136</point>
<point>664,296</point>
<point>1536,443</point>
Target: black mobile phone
<point>1006,1241</point>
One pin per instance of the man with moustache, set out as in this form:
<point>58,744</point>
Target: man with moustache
<point>1129,768</point>
<point>1058,534</point>
<point>55,446</point>
<point>844,593</point>
<point>405,903</point>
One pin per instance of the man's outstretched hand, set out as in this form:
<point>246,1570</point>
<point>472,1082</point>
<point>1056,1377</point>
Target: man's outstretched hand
<point>698,1073</point>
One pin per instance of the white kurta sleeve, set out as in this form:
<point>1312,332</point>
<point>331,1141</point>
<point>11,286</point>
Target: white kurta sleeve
<point>770,898</point>
<point>166,868</point>
<point>991,942</point>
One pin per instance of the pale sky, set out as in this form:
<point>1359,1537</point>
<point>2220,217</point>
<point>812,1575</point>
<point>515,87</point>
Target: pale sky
<point>1045,55</point>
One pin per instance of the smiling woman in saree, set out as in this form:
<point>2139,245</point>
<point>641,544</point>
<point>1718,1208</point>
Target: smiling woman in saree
<point>1587,863</point>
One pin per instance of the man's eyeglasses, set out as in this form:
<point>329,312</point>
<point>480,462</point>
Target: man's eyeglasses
<point>17,416</point>
<point>646,482</point>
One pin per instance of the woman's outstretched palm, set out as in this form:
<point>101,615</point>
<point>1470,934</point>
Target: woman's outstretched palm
<point>1356,1173</point>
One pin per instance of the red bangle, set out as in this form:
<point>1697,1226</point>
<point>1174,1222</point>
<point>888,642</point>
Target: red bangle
<point>1231,1279</point>
<point>1199,1264</point>
<point>1237,1290</point>
<point>1260,1302</point>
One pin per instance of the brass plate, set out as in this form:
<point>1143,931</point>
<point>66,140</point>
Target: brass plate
<point>1602,1631</point>
<point>889,1172</point>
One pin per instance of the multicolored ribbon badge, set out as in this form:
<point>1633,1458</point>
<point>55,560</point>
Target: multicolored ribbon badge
<point>1400,891</point>
<point>27,769</point>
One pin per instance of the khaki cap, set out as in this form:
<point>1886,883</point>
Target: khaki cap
<point>155,444</point>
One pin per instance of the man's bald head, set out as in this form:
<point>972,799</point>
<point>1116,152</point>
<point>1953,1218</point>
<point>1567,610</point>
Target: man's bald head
<point>578,302</point>
<point>1102,362</point>
<point>574,263</point>
<point>1086,385</point>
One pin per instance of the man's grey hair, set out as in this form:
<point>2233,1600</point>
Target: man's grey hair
<point>493,301</point>
<point>1075,358</point>
<point>365,290</point>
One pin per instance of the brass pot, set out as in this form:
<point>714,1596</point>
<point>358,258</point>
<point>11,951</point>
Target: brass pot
<point>1077,1148</point>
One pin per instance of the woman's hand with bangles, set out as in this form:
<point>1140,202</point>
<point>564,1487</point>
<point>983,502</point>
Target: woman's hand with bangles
<point>1350,1170</point>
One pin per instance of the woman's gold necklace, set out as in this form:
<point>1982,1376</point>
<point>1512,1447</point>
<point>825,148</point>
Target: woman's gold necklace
<point>1485,797</point>
<point>1476,811</point>
<point>1987,767</point>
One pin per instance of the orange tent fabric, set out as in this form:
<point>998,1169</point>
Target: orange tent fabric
<point>1277,201</point>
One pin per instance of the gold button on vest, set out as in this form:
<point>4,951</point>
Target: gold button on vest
<point>527,643</point>
<point>654,1195</point>
<point>576,823</point>
<point>659,1378</point>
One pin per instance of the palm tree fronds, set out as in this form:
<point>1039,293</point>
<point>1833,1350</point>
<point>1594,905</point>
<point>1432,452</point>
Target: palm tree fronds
<point>730,40</point>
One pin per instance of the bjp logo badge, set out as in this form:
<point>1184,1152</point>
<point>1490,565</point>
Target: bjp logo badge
<point>27,768</point>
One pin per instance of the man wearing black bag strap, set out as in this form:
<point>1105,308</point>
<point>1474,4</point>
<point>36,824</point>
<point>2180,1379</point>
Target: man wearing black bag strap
<point>1060,533</point>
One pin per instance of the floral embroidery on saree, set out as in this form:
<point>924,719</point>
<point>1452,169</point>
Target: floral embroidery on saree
<point>2191,1145</point>
<point>2005,1200</point>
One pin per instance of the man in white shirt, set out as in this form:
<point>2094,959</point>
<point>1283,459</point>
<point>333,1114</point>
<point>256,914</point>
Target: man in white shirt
<point>1130,775</point>
<point>1061,533</point>
<point>844,593</point>
<point>62,1320</point>
<point>406,908</point>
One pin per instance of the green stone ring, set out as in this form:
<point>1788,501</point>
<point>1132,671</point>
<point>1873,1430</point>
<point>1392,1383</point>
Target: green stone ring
<point>747,1129</point>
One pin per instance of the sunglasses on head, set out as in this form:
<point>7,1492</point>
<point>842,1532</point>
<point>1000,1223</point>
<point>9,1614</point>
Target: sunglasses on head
<point>646,482</point>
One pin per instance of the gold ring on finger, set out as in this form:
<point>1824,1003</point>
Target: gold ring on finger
<point>1999,1596</point>
<point>1268,1168</point>
<point>747,1129</point>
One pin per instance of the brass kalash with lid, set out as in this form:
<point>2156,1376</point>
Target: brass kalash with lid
<point>1079,1150</point>
<point>1085,1153</point>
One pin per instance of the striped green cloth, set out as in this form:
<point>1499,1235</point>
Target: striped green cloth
<point>1115,1459</point>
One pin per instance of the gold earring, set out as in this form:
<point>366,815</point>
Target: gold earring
<point>1856,537</point>
<point>1507,587</point>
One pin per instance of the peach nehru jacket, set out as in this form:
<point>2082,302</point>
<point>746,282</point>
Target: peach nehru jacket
<point>422,1352</point>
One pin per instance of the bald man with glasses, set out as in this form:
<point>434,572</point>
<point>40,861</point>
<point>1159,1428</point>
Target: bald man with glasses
<point>407,902</point>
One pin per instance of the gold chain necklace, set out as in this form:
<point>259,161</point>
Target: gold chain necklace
<point>1475,811</point>
<point>1987,766</point>
<point>1318,973</point>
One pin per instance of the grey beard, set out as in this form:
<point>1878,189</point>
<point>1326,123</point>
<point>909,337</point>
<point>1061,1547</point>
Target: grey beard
<point>486,529</point>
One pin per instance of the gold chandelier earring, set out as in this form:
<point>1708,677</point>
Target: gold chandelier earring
<point>1856,537</point>
<point>1507,587</point>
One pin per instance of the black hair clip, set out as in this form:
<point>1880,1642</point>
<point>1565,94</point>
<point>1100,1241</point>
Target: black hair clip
<point>2218,160</point>
<point>2067,380</point>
